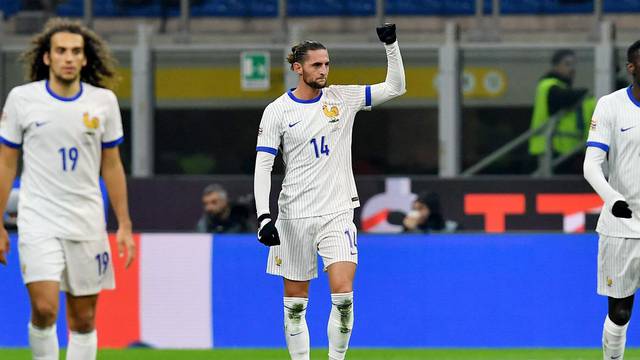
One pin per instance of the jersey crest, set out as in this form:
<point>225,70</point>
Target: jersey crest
<point>90,123</point>
<point>332,113</point>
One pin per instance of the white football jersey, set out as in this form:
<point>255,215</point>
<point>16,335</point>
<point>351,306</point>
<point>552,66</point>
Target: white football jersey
<point>314,137</point>
<point>62,141</point>
<point>615,128</point>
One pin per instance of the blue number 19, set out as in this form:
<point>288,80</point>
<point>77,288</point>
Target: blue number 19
<point>103,262</point>
<point>324,148</point>
<point>73,157</point>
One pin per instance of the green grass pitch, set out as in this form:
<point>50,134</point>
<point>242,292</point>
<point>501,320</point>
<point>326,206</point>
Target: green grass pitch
<point>353,354</point>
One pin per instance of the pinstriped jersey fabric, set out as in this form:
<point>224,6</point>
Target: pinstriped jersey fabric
<point>615,128</point>
<point>334,237</point>
<point>618,265</point>
<point>314,137</point>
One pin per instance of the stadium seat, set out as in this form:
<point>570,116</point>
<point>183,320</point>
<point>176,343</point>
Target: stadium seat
<point>10,7</point>
<point>331,8</point>
<point>269,8</point>
<point>621,6</point>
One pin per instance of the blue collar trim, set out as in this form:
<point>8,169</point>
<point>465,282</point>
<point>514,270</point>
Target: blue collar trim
<point>301,101</point>
<point>61,98</point>
<point>631,97</point>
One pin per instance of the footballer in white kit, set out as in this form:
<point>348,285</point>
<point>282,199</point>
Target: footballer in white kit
<point>614,137</point>
<point>312,126</point>
<point>68,127</point>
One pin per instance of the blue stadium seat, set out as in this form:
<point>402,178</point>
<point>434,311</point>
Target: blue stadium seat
<point>621,6</point>
<point>269,8</point>
<point>568,6</point>
<point>10,7</point>
<point>253,8</point>
<point>460,7</point>
<point>433,7</point>
<point>70,8</point>
<point>220,8</point>
<point>331,8</point>
<point>414,7</point>
<point>515,7</point>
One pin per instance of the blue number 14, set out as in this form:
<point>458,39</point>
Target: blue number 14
<point>324,148</point>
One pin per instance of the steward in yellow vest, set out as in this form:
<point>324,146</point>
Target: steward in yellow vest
<point>554,94</point>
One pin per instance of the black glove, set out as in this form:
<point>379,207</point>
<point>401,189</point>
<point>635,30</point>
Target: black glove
<point>621,209</point>
<point>387,33</point>
<point>268,234</point>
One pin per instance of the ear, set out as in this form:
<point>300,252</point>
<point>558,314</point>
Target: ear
<point>297,68</point>
<point>84,62</point>
<point>631,68</point>
<point>46,59</point>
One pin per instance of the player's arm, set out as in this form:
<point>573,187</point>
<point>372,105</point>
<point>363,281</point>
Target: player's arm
<point>10,144</point>
<point>8,169</point>
<point>114,178</point>
<point>266,151</point>
<point>394,84</point>
<point>597,149</point>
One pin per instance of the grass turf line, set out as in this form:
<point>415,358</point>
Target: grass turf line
<point>353,354</point>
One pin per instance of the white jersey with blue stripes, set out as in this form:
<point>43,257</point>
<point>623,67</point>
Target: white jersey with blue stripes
<point>314,137</point>
<point>615,128</point>
<point>62,141</point>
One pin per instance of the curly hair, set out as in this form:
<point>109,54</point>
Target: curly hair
<point>100,69</point>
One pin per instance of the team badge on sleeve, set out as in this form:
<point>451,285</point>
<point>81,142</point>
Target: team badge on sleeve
<point>259,131</point>
<point>593,124</point>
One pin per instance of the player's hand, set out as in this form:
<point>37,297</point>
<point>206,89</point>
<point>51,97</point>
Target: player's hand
<point>4,245</point>
<point>387,33</point>
<point>621,209</point>
<point>124,239</point>
<point>268,234</point>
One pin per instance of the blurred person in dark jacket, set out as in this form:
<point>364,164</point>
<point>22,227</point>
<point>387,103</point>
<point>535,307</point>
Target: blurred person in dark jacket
<point>426,216</point>
<point>219,216</point>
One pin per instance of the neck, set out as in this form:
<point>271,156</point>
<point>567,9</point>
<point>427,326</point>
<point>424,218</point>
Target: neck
<point>64,89</point>
<point>635,89</point>
<point>305,92</point>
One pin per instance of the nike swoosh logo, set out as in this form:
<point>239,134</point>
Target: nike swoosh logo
<point>294,124</point>
<point>625,129</point>
<point>38,124</point>
<point>616,357</point>
<point>296,334</point>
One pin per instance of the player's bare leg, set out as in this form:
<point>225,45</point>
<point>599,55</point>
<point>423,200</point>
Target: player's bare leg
<point>81,316</point>
<point>296,297</point>
<point>43,337</point>
<point>341,275</point>
<point>614,334</point>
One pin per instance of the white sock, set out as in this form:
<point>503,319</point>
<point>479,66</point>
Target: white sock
<point>43,342</point>
<point>82,346</point>
<point>340,325</point>
<point>295,327</point>
<point>614,338</point>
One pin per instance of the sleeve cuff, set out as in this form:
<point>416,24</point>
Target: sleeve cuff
<point>598,145</point>
<point>10,143</point>
<point>112,144</point>
<point>267,149</point>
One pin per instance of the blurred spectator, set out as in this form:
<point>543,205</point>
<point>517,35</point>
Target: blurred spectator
<point>219,216</point>
<point>426,216</point>
<point>555,94</point>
